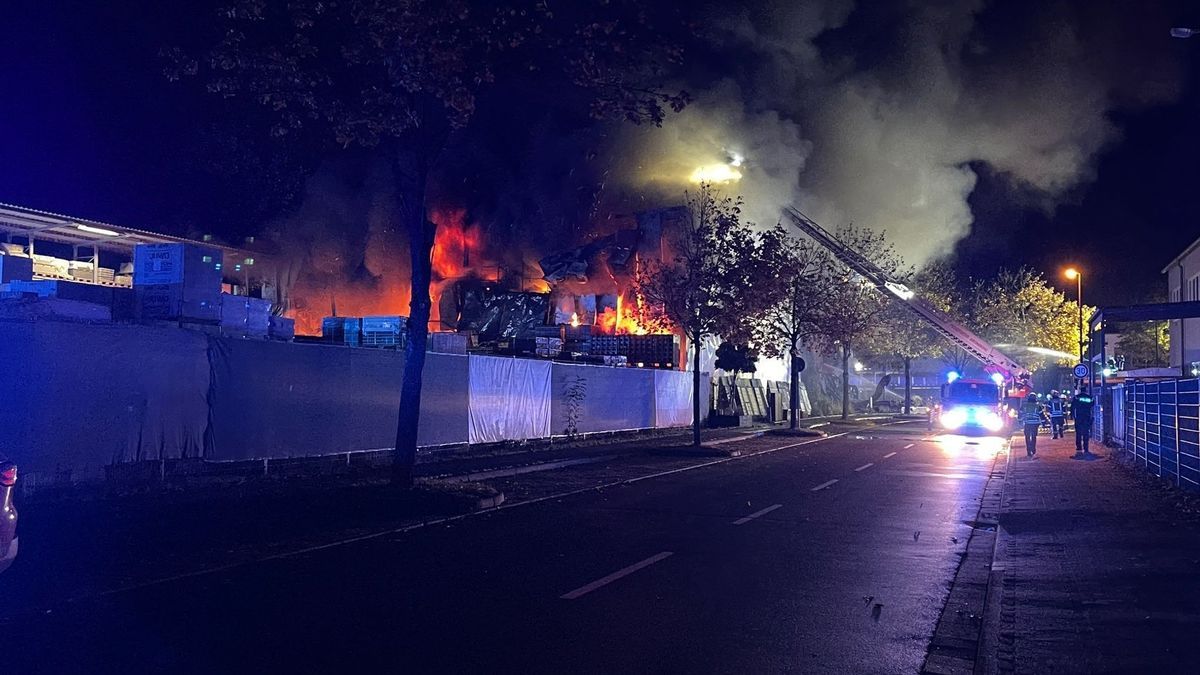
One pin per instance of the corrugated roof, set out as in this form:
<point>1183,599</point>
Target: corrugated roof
<point>43,225</point>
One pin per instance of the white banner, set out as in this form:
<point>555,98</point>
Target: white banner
<point>510,399</point>
<point>672,398</point>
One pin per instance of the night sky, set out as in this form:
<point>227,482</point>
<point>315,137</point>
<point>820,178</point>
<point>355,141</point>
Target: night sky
<point>90,127</point>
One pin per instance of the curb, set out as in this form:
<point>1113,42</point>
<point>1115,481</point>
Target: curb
<point>955,645</point>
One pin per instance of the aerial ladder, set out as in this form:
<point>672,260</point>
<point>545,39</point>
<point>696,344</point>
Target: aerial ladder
<point>1015,376</point>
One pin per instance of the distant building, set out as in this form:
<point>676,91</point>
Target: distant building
<point>1183,285</point>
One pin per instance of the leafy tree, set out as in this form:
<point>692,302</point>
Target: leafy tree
<point>735,358</point>
<point>403,77</point>
<point>794,297</point>
<point>1145,344</point>
<point>939,286</point>
<point>708,284</point>
<point>854,307</point>
<point>1019,308</point>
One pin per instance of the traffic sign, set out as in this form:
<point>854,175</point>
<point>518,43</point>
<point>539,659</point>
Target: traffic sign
<point>1081,370</point>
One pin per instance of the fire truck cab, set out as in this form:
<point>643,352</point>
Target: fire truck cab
<point>972,407</point>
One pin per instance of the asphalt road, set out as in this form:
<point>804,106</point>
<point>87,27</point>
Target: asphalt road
<point>832,556</point>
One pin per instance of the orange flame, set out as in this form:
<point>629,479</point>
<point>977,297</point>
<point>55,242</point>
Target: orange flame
<point>574,319</point>
<point>617,322</point>
<point>457,247</point>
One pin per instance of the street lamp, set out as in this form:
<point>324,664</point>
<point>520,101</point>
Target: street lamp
<point>1072,273</point>
<point>1183,33</point>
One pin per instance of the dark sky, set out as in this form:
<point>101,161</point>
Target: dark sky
<point>90,127</point>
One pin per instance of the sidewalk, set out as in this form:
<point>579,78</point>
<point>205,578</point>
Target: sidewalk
<point>1095,570</point>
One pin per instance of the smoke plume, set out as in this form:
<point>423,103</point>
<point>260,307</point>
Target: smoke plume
<point>877,113</point>
<point>874,113</point>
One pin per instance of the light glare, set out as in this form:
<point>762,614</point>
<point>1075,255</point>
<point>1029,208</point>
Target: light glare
<point>716,173</point>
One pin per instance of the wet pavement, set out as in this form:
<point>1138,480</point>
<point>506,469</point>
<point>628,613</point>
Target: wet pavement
<point>1096,570</point>
<point>828,556</point>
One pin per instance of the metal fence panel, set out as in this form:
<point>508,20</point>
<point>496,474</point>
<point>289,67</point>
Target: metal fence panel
<point>1160,427</point>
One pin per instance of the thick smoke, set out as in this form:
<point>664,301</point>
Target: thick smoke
<point>875,113</point>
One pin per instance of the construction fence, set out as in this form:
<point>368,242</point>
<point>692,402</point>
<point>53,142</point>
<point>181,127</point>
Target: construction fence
<point>76,398</point>
<point>1158,423</point>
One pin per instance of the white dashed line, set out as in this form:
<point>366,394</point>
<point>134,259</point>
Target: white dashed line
<point>890,454</point>
<point>909,446</point>
<point>604,581</point>
<point>824,485</point>
<point>756,514</point>
<point>865,466</point>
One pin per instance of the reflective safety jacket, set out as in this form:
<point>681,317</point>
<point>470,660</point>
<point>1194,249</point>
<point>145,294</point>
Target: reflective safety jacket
<point>1057,409</point>
<point>1032,412</point>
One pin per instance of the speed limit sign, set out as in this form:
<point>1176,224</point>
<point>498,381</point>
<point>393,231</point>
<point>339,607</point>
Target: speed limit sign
<point>1081,370</point>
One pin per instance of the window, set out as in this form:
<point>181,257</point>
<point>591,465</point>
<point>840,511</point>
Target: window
<point>1193,289</point>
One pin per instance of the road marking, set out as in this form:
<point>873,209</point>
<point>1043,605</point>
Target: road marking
<point>824,485</point>
<point>404,529</point>
<point>604,581</point>
<point>909,446</point>
<point>890,454</point>
<point>865,466</point>
<point>756,514</point>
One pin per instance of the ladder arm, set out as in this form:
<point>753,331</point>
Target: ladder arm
<point>948,328</point>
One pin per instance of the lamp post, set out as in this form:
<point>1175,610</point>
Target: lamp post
<point>1072,273</point>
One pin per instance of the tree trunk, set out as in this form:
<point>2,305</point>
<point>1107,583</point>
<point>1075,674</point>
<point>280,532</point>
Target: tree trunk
<point>420,235</point>
<point>794,392</point>
<point>696,393</point>
<point>908,385</point>
<point>845,380</point>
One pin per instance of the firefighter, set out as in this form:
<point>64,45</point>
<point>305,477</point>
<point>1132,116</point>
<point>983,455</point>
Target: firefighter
<point>1081,411</point>
<point>1032,416</point>
<point>1058,414</point>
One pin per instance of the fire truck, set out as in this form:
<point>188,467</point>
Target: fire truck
<point>966,405</point>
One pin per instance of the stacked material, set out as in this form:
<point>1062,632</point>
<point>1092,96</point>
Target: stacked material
<point>15,268</point>
<point>245,317</point>
<point>448,343</point>
<point>658,350</point>
<point>178,281</point>
<point>661,350</point>
<point>86,271</point>
<point>384,331</point>
<point>281,328</point>
<point>610,345</point>
<point>342,330</point>
<point>49,266</point>
<point>547,347</point>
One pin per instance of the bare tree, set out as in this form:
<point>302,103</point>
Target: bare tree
<point>709,282</point>
<point>855,307</point>
<point>797,290</point>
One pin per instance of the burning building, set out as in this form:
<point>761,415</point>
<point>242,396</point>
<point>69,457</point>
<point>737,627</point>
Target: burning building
<point>506,297</point>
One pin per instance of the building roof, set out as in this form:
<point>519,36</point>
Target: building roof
<point>45,226</point>
<point>1187,251</point>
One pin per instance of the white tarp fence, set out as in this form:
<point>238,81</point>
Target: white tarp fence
<point>509,399</point>
<point>672,398</point>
